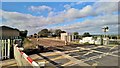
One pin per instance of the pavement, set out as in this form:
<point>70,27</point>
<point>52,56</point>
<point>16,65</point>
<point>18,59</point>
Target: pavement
<point>8,63</point>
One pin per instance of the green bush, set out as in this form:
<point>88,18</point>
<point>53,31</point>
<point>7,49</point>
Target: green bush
<point>86,43</point>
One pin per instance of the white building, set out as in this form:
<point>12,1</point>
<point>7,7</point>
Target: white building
<point>67,37</point>
<point>89,40</point>
<point>99,41</point>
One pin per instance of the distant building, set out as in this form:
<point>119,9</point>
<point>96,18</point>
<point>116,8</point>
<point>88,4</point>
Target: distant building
<point>63,36</point>
<point>67,37</point>
<point>8,32</point>
<point>87,40</point>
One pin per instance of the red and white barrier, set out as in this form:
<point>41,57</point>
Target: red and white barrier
<point>27,58</point>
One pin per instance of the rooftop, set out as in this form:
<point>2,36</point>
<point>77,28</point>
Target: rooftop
<point>7,28</point>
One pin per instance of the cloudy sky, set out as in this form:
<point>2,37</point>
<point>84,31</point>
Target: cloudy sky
<point>69,16</point>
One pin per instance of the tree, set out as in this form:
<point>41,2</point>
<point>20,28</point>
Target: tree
<point>86,34</point>
<point>52,33</point>
<point>58,32</point>
<point>35,34</point>
<point>76,34</point>
<point>63,31</point>
<point>23,33</point>
<point>43,33</point>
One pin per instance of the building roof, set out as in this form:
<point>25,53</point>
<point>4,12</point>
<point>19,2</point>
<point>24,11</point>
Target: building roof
<point>7,28</point>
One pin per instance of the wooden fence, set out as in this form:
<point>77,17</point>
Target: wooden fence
<point>5,48</point>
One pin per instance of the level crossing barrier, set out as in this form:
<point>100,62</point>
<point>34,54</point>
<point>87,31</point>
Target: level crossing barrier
<point>23,60</point>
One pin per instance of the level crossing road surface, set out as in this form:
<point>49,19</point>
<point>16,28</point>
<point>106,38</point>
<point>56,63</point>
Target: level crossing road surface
<point>72,55</point>
<point>79,55</point>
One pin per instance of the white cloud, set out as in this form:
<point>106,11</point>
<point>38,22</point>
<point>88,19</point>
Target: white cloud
<point>80,2</point>
<point>34,23</point>
<point>40,8</point>
<point>23,21</point>
<point>95,9</point>
<point>108,0</point>
<point>67,6</point>
<point>73,13</point>
<point>105,7</point>
<point>88,10</point>
<point>94,25</point>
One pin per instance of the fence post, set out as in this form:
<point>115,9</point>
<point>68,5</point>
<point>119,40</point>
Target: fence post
<point>8,48</point>
<point>5,48</point>
<point>2,49</point>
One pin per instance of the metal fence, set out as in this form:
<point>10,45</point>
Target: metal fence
<point>23,60</point>
<point>5,46</point>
